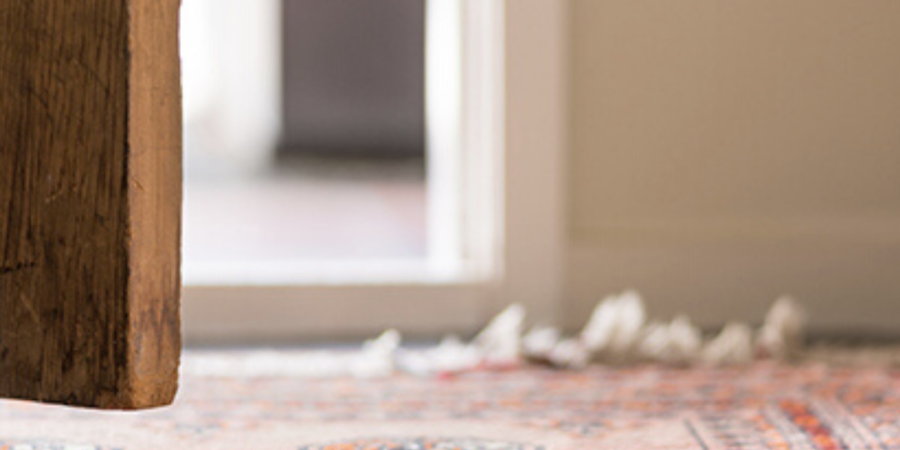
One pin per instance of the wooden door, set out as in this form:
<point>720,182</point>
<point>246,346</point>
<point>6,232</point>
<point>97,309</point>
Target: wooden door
<point>90,201</point>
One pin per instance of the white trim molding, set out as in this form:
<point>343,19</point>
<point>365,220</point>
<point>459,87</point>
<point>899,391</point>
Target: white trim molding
<point>285,314</point>
<point>536,107</point>
<point>842,270</point>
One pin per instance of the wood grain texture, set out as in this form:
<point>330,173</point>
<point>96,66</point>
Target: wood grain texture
<point>90,197</point>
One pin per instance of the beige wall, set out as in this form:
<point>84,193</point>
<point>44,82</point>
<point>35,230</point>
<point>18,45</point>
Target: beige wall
<point>724,152</point>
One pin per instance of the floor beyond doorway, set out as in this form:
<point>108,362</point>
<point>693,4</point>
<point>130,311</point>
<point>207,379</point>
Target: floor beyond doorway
<point>306,210</point>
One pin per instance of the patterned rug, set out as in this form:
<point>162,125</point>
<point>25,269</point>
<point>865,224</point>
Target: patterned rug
<point>761,407</point>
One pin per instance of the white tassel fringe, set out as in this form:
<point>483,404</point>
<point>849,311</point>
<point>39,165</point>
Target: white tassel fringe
<point>616,333</point>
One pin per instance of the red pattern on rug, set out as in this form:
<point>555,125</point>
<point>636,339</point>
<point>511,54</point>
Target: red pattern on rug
<point>760,407</point>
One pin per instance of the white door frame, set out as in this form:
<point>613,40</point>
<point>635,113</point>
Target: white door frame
<point>514,133</point>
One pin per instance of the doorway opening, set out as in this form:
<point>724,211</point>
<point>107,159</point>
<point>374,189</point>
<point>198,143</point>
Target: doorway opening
<point>325,142</point>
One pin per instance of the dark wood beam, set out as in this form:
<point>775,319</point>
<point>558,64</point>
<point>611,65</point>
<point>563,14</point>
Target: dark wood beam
<point>90,201</point>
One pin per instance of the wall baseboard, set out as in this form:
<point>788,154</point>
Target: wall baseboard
<point>848,285</point>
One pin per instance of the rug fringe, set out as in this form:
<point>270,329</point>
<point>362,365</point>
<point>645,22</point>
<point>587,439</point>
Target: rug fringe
<point>617,333</point>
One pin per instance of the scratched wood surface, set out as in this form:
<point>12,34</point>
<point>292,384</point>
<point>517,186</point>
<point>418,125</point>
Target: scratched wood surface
<point>90,201</point>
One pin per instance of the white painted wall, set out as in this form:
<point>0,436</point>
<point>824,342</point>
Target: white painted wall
<point>231,65</point>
